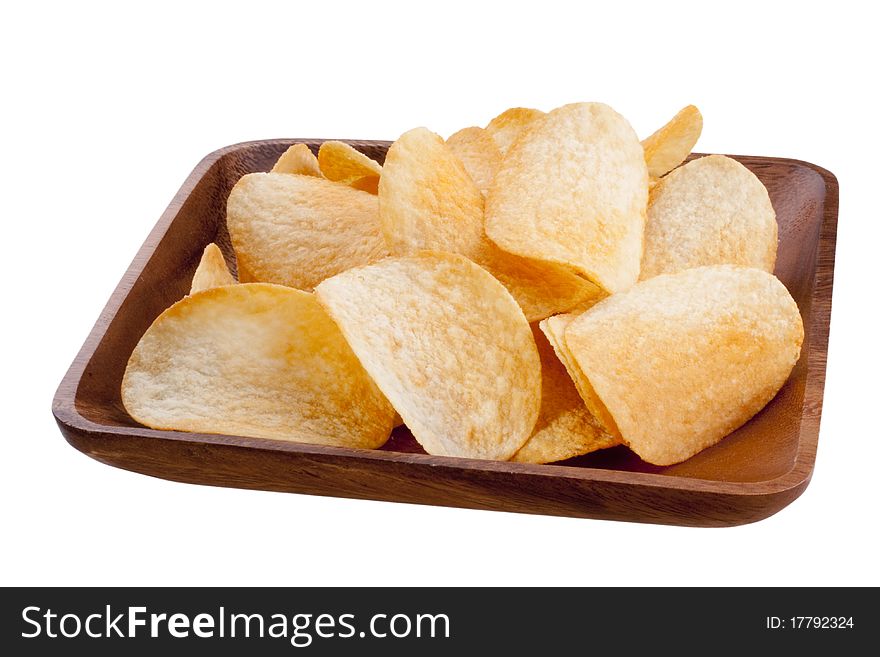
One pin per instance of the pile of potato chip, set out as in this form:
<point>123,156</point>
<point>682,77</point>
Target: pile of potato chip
<point>532,291</point>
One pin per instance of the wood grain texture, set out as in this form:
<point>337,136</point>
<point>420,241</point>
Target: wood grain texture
<point>748,476</point>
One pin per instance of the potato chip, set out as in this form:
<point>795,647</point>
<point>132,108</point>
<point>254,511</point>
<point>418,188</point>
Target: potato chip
<point>448,346</point>
<point>298,159</point>
<point>510,124</point>
<point>255,360</point>
<point>681,360</point>
<point>671,144</point>
<point>212,271</point>
<point>710,211</point>
<point>554,328</point>
<point>298,230</point>
<point>427,200</point>
<point>479,154</point>
<point>540,288</point>
<point>573,191</point>
<point>344,163</point>
<point>565,428</point>
<point>366,184</point>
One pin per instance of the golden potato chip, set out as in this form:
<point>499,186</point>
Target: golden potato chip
<point>479,154</point>
<point>366,184</point>
<point>540,288</point>
<point>710,211</point>
<point>573,191</point>
<point>344,163</point>
<point>681,360</point>
<point>427,200</point>
<point>671,144</point>
<point>298,159</point>
<point>565,428</point>
<point>448,346</point>
<point>255,360</point>
<point>212,271</point>
<point>554,328</point>
<point>297,230</point>
<point>510,124</point>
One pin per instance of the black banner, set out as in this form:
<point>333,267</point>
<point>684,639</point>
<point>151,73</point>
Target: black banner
<point>407,621</point>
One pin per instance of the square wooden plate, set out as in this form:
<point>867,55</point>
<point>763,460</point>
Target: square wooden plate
<point>748,476</point>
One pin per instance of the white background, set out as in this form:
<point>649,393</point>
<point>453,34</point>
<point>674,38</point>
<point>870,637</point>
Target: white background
<point>105,111</point>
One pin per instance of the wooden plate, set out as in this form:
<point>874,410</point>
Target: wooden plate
<point>748,476</point>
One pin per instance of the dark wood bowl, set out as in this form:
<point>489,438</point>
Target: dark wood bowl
<point>748,476</point>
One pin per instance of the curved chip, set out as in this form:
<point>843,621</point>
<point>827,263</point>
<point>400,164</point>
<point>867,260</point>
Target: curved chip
<point>255,360</point>
<point>554,328</point>
<point>510,124</point>
<point>427,200</point>
<point>448,346</point>
<point>298,159</point>
<point>671,144</point>
<point>366,184</point>
<point>565,428</point>
<point>540,288</point>
<point>344,163</point>
<point>711,211</point>
<point>479,154</point>
<point>573,191</point>
<point>297,230</point>
<point>681,360</point>
<point>212,271</point>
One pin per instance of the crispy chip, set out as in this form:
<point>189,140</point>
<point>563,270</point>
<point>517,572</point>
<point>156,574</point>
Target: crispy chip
<point>711,211</point>
<point>565,428</point>
<point>448,345</point>
<point>212,271</point>
<point>344,163</point>
<point>298,230</point>
<point>681,360</point>
<point>479,154</point>
<point>366,184</point>
<point>573,191</point>
<point>671,144</point>
<point>554,328</point>
<point>540,288</point>
<point>256,360</point>
<point>427,200</point>
<point>510,124</point>
<point>298,159</point>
